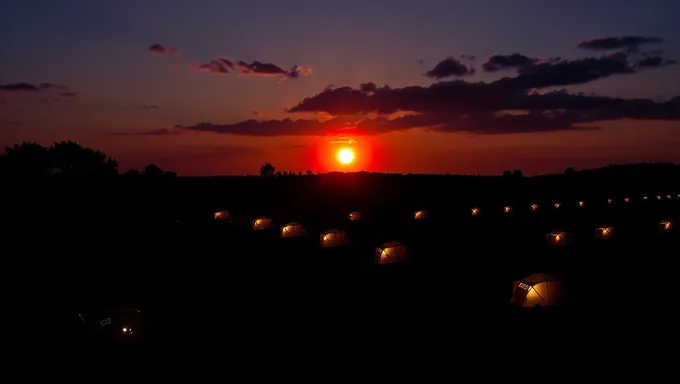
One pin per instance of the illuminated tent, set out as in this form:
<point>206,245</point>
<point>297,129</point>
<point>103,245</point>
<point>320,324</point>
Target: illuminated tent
<point>292,230</point>
<point>333,238</point>
<point>604,232</point>
<point>356,216</point>
<point>534,207</point>
<point>558,205</point>
<point>557,237</point>
<point>581,203</point>
<point>609,201</point>
<point>222,215</point>
<point>418,215</point>
<point>665,225</point>
<point>118,323</point>
<point>507,209</point>
<point>627,199</point>
<point>475,211</point>
<point>262,223</point>
<point>537,290</point>
<point>390,253</point>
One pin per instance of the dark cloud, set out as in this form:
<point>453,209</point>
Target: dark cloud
<point>19,87</point>
<point>223,66</point>
<point>147,107</point>
<point>162,49</point>
<point>514,104</point>
<point>613,43</point>
<point>155,132</point>
<point>39,89</point>
<point>513,61</point>
<point>285,127</point>
<point>449,67</point>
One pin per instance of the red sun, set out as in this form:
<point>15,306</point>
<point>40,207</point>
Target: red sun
<point>345,156</point>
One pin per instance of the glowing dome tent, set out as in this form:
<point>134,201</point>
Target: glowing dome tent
<point>507,209</point>
<point>539,290</point>
<point>333,238</point>
<point>419,215</point>
<point>609,201</point>
<point>221,215</point>
<point>581,203</point>
<point>604,232</point>
<point>262,223</point>
<point>557,237</point>
<point>475,211</point>
<point>120,323</point>
<point>665,225</point>
<point>534,207</point>
<point>292,230</point>
<point>356,216</point>
<point>391,253</point>
<point>558,205</point>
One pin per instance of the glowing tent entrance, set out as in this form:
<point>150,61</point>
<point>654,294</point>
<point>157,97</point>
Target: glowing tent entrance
<point>333,238</point>
<point>390,253</point>
<point>538,290</point>
<point>292,230</point>
<point>262,223</point>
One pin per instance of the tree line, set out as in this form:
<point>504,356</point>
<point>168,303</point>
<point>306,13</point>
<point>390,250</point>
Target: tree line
<point>66,158</point>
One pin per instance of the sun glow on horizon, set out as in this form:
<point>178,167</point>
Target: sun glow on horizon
<point>346,156</point>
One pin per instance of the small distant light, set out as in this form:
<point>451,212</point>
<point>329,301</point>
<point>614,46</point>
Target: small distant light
<point>609,201</point>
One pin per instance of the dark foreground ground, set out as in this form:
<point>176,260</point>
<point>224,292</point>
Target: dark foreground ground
<point>205,286</point>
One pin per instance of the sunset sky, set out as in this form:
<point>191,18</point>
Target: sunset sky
<point>431,86</point>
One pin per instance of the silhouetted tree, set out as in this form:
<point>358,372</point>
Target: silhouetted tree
<point>27,159</point>
<point>72,159</point>
<point>518,173</point>
<point>152,170</point>
<point>278,173</point>
<point>64,158</point>
<point>132,173</point>
<point>569,171</point>
<point>267,170</point>
<point>309,172</point>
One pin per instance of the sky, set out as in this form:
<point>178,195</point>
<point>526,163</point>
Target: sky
<point>207,87</point>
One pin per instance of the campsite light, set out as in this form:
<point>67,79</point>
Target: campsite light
<point>604,232</point>
<point>475,211</point>
<point>292,230</point>
<point>581,203</point>
<point>355,216</point>
<point>534,207</point>
<point>333,238</point>
<point>627,200</point>
<point>391,252</point>
<point>507,209</point>
<point>658,197</point>
<point>665,225</point>
<point>537,291</point>
<point>221,215</point>
<point>609,201</point>
<point>557,237</point>
<point>557,205</point>
<point>669,197</point>
<point>419,215</point>
<point>678,195</point>
<point>645,198</point>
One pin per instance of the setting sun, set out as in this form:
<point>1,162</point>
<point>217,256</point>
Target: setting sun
<point>346,156</point>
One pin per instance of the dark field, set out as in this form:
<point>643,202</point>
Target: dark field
<point>153,245</point>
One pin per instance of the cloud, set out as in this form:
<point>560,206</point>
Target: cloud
<point>147,107</point>
<point>449,67</point>
<point>24,87</point>
<point>224,66</point>
<point>525,102</point>
<point>155,132</point>
<point>162,49</point>
<point>613,43</point>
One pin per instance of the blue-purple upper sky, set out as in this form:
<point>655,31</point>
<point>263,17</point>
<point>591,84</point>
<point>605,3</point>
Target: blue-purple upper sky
<point>142,105</point>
